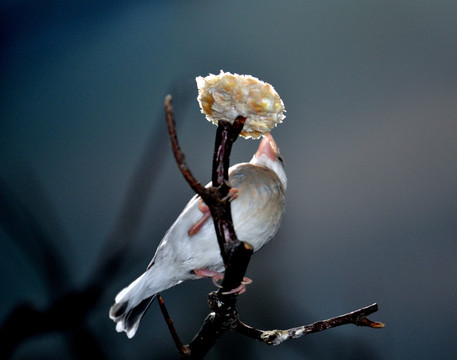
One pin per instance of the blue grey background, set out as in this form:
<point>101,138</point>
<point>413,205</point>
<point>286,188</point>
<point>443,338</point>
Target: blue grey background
<point>370,89</point>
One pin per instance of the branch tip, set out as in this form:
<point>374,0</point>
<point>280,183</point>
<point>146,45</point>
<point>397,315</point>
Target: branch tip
<point>364,321</point>
<point>248,246</point>
<point>168,99</point>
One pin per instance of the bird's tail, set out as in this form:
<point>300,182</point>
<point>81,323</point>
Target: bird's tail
<point>129,308</point>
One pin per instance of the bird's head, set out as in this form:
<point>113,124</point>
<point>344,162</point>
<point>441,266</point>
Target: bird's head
<point>268,155</point>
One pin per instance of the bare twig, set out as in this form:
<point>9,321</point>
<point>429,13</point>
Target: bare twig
<point>182,349</point>
<point>179,155</point>
<point>226,135</point>
<point>276,337</point>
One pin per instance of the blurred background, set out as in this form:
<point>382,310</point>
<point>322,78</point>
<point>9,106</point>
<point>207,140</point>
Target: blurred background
<point>88,184</point>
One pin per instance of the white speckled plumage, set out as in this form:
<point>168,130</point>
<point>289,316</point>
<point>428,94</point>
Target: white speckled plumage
<point>257,213</point>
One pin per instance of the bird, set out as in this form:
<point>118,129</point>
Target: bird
<point>189,250</point>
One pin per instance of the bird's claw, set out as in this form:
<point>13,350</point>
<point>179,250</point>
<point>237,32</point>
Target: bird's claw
<point>217,276</point>
<point>231,195</point>
<point>203,207</point>
<point>195,228</point>
<point>241,289</point>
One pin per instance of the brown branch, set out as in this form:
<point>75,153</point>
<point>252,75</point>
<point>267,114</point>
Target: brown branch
<point>276,337</point>
<point>218,204</point>
<point>224,317</point>
<point>182,349</point>
<point>179,155</point>
<point>237,264</point>
<point>226,135</point>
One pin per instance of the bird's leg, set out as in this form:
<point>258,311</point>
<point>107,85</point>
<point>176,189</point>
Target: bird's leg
<point>195,228</point>
<point>217,276</point>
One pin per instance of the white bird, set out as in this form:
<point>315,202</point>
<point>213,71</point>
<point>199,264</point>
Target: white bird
<point>190,246</point>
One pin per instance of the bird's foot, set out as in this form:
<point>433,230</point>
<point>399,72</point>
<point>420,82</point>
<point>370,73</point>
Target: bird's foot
<point>214,275</point>
<point>232,194</point>
<point>195,228</point>
<point>203,207</point>
<point>217,276</point>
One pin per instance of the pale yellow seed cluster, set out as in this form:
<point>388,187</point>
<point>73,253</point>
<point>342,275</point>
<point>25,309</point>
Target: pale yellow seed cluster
<point>226,96</point>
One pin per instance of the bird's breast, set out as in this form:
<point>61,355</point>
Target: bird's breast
<point>259,208</point>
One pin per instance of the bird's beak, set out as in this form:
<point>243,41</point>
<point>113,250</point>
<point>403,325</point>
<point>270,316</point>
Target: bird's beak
<point>267,147</point>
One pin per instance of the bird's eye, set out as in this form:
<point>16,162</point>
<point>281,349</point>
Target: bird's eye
<point>280,158</point>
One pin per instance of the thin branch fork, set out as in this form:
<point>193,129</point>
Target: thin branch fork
<point>215,196</point>
<point>235,254</point>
